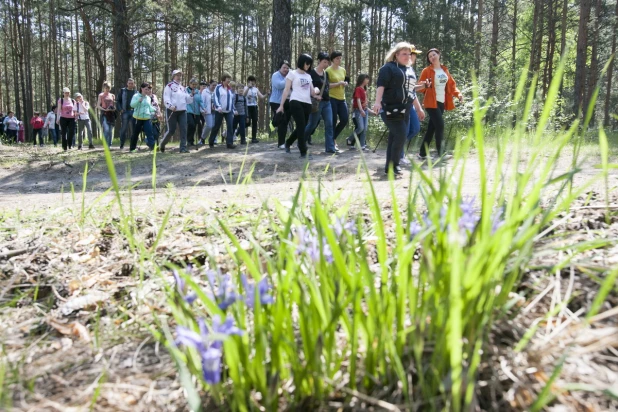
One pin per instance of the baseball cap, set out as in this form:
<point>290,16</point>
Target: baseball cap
<point>66,90</point>
<point>78,95</point>
<point>175,72</point>
<point>413,50</point>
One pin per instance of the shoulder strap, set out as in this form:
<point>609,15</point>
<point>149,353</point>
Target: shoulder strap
<point>323,83</point>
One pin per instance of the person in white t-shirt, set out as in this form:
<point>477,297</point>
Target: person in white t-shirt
<point>83,121</point>
<point>299,86</point>
<point>438,98</point>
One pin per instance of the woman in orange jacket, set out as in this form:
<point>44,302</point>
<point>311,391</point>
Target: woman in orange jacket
<point>438,98</point>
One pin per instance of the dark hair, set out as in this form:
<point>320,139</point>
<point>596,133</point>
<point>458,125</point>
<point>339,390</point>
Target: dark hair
<point>203,83</point>
<point>143,85</point>
<point>323,56</point>
<point>282,62</point>
<point>225,76</point>
<point>432,50</point>
<point>251,79</point>
<point>360,79</point>
<point>53,108</point>
<point>211,81</point>
<point>304,59</point>
<point>335,54</point>
<point>9,112</point>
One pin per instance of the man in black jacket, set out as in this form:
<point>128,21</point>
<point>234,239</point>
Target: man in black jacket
<point>123,103</point>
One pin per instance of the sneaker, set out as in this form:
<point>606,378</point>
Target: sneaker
<point>243,142</point>
<point>231,146</point>
<point>162,148</point>
<point>121,147</point>
<point>306,156</point>
<point>309,143</point>
<point>421,158</point>
<point>350,142</point>
<point>335,152</point>
<point>396,171</point>
<point>336,147</point>
<point>287,150</point>
<point>184,151</point>
<point>282,147</point>
<point>255,141</point>
<point>91,146</point>
<point>79,147</point>
<point>365,148</point>
<point>446,157</point>
<point>405,161</point>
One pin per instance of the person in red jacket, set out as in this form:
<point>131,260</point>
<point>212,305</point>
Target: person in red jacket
<point>438,98</point>
<point>37,123</point>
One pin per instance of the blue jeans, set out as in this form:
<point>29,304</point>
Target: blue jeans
<point>107,131</point>
<point>325,113</point>
<point>241,121</point>
<point>362,123</point>
<point>54,135</point>
<point>209,123</point>
<point>340,108</point>
<point>229,121</point>
<point>414,128</point>
<point>147,126</point>
<point>127,116</point>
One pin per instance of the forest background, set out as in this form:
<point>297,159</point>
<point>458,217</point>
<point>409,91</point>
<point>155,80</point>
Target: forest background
<point>48,45</point>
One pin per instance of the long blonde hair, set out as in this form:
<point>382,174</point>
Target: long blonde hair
<point>390,56</point>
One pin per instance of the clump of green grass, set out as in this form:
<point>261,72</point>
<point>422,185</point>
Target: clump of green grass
<point>335,301</point>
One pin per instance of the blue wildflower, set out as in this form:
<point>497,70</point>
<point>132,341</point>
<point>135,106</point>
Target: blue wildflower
<point>309,244</point>
<point>223,294</point>
<point>262,291</point>
<point>497,219</point>
<point>181,287</point>
<point>340,226</point>
<point>208,345</point>
<point>414,229</point>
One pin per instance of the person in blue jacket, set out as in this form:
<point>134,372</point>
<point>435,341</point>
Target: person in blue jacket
<point>193,111</point>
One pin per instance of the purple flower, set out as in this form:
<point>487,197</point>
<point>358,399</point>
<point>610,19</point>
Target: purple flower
<point>181,287</point>
<point>341,226</point>
<point>469,215</point>
<point>497,219</point>
<point>223,294</point>
<point>309,244</point>
<point>208,345</point>
<point>414,229</point>
<point>262,291</point>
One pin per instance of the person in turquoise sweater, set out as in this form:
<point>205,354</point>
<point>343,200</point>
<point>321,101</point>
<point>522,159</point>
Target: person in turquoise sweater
<point>142,112</point>
<point>193,111</point>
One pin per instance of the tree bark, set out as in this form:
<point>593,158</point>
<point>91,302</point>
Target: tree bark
<point>122,52</point>
<point>479,36</point>
<point>593,73</point>
<point>281,33</point>
<point>493,53</point>
<point>582,56</point>
<point>610,72</point>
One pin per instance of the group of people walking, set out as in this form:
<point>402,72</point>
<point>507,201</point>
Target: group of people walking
<point>307,94</point>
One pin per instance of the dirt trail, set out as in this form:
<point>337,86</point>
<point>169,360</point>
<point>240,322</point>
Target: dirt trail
<point>33,178</point>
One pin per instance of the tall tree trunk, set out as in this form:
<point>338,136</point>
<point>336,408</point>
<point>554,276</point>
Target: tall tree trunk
<point>493,53</point>
<point>582,56</point>
<point>548,72</point>
<point>122,53</point>
<point>318,27</point>
<point>593,73</point>
<point>79,65</point>
<point>479,36</point>
<point>563,34</point>
<point>282,32</point>
<point>610,71</point>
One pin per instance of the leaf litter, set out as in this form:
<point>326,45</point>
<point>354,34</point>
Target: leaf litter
<point>74,310</point>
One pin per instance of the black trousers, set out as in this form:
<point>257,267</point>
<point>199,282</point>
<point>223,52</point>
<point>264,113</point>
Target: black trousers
<point>192,122</point>
<point>38,132</point>
<point>436,126</point>
<point>67,131</point>
<point>252,118</point>
<point>300,112</point>
<point>397,135</point>
<point>282,129</point>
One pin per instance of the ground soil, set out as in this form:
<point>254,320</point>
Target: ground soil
<point>123,368</point>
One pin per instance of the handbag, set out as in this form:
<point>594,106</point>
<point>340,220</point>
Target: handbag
<point>315,103</point>
<point>395,111</point>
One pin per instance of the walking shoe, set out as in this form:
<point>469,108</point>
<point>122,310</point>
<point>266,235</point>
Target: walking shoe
<point>282,146</point>
<point>421,158</point>
<point>184,151</point>
<point>396,171</point>
<point>336,147</point>
<point>335,152</point>
<point>91,146</point>
<point>231,146</point>
<point>446,157</point>
<point>255,141</point>
<point>350,142</point>
<point>79,147</point>
<point>162,148</point>
<point>365,148</point>
<point>287,150</point>
<point>243,142</point>
<point>309,143</point>
<point>404,161</point>
<point>306,156</point>
<point>121,147</point>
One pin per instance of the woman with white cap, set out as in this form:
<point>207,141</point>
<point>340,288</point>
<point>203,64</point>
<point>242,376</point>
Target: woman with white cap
<point>66,120</point>
<point>175,98</point>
